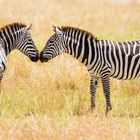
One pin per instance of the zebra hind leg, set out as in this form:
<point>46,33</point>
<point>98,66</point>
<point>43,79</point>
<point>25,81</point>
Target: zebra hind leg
<point>93,86</point>
<point>106,88</point>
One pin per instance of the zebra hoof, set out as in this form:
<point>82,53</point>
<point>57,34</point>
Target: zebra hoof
<point>108,109</point>
<point>92,108</point>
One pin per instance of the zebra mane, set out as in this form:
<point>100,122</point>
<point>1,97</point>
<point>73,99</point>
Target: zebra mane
<point>16,26</point>
<point>67,28</point>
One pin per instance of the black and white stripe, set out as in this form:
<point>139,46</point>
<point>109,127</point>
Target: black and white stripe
<point>15,36</point>
<point>103,58</point>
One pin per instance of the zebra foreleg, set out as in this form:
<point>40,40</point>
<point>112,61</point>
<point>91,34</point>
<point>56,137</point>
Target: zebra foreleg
<point>106,88</point>
<point>93,87</point>
<point>0,82</point>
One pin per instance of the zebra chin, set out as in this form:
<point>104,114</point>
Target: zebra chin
<point>44,59</point>
<point>34,59</point>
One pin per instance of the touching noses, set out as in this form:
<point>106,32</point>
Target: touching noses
<point>35,58</point>
<point>41,56</point>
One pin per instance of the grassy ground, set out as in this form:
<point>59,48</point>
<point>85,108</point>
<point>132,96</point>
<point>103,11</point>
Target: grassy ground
<point>51,101</point>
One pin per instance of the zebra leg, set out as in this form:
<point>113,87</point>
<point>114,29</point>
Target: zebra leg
<point>0,81</point>
<point>106,88</point>
<point>93,86</point>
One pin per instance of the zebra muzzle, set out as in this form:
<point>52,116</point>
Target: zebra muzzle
<point>36,58</point>
<point>42,58</point>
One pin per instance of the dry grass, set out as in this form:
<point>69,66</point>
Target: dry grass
<point>51,101</point>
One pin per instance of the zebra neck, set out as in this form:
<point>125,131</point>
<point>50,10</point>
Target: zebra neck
<point>7,45</point>
<point>82,49</point>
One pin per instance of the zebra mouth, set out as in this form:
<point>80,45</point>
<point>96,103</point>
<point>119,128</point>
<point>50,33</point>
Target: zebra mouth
<point>35,59</point>
<point>42,58</point>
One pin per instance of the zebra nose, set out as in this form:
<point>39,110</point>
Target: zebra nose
<point>35,58</point>
<point>41,56</point>
<point>38,55</point>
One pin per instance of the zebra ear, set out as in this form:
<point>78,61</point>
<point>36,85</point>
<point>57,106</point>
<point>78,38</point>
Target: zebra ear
<point>28,26</point>
<point>57,30</point>
<point>54,28</point>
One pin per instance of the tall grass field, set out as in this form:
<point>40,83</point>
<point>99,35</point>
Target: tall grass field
<point>51,101</point>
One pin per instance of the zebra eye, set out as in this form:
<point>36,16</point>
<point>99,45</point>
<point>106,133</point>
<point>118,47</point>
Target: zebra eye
<point>51,41</point>
<point>24,35</point>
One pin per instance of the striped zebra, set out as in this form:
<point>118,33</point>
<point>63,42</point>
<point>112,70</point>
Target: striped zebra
<point>103,58</point>
<point>16,36</point>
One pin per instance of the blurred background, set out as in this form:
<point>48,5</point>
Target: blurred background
<point>111,19</point>
<point>51,100</point>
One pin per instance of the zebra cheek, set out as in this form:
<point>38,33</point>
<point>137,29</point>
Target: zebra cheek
<point>41,57</point>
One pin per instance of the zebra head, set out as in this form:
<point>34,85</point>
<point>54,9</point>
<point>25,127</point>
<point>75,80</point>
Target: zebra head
<point>54,46</point>
<point>26,45</point>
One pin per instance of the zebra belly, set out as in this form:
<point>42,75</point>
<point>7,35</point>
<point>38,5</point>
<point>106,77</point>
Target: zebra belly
<point>127,68</point>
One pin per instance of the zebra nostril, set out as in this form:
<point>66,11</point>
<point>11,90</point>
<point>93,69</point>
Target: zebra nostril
<point>41,56</point>
<point>35,58</point>
<point>38,55</point>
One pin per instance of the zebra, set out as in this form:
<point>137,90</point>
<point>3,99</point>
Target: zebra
<point>16,36</point>
<point>103,58</point>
